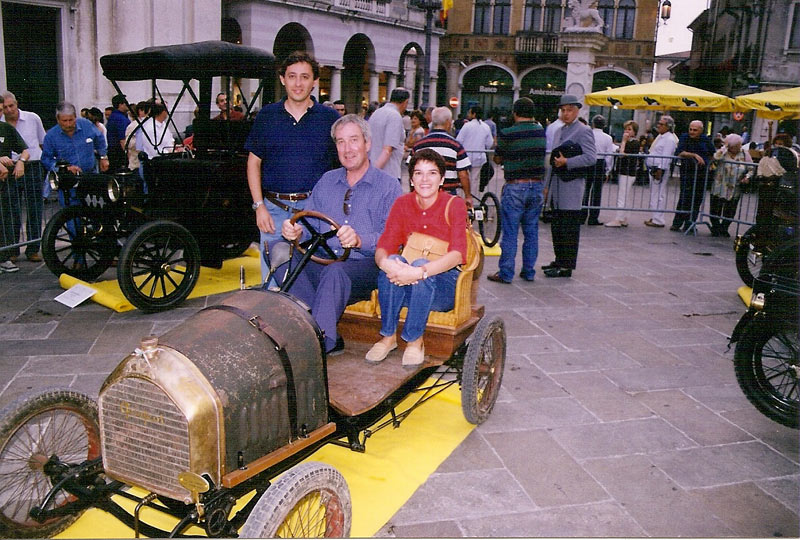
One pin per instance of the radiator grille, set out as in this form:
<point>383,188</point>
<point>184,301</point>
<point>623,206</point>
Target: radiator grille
<point>145,436</point>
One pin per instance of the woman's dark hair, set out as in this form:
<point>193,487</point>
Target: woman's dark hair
<point>416,113</point>
<point>426,154</point>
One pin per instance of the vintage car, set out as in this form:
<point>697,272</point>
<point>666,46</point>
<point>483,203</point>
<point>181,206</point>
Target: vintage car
<point>191,208</point>
<point>224,403</point>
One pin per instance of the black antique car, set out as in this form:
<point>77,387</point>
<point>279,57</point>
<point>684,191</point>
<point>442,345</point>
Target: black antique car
<point>188,207</point>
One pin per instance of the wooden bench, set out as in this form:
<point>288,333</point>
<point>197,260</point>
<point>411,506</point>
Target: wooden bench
<point>445,332</point>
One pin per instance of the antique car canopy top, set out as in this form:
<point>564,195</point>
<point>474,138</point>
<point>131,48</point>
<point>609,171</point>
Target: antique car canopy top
<point>188,61</point>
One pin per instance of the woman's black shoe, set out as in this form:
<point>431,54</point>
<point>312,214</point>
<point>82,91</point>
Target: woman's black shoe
<point>558,272</point>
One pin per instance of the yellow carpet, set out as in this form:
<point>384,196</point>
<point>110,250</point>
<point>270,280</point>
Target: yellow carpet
<point>745,293</point>
<point>396,463</point>
<point>211,281</point>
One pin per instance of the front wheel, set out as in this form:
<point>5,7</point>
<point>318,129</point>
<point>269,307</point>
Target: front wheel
<point>483,369</point>
<point>310,500</point>
<point>58,423</point>
<point>767,369</point>
<point>489,226</point>
<point>78,241</point>
<point>159,266</point>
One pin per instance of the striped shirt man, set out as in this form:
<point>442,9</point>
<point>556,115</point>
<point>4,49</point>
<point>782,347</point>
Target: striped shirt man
<point>522,147</point>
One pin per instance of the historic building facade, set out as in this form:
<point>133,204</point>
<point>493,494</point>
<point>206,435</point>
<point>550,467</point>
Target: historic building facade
<point>51,48</point>
<point>741,47</point>
<point>498,50</point>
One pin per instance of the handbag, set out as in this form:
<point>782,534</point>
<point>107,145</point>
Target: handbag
<point>424,246</point>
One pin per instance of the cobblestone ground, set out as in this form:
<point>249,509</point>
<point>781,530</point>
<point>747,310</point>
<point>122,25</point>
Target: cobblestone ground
<point>619,413</point>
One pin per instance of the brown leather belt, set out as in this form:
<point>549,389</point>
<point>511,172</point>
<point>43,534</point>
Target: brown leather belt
<point>524,181</point>
<point>288,196</point>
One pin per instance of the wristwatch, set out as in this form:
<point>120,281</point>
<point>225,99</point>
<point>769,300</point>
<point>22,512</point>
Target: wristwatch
<point>257,204</point>
<point>104,157</point>
<point>22,159</point>
<point>424,273</point>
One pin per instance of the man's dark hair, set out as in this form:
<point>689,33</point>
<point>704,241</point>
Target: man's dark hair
<point>117,100</point>
<point>339,102</point>
<point>156,109</point>
<point>599,121</point>
<point>477,111</point>
<point>399,95</point>
<point>430,155</point>
<point>298,57</point>
<point>216,99</point>
<point>143,106</point>
<point>524,108</point>
<point>96,114</point>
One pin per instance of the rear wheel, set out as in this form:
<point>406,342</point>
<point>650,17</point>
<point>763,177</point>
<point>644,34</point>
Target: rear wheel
<point>767,369</point>
<point>310,500</point>
<point>159,266</point>
<point>489,226</point>
<point>483,369</point>
<point>78,241</point>
<point>56,422</point>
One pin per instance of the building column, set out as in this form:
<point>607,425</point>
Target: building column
<point>583,47</point>
<point>432,93</point>
<point>516,93</point>
<point>336,83</point>
<point>391,83</point>
<point>374,85</point>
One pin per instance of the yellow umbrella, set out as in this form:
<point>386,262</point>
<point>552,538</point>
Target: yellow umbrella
<point>661,95</point>
<point>774,105</point>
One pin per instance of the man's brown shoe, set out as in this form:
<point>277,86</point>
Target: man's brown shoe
<point>34,257</point>
<point>651,223</point>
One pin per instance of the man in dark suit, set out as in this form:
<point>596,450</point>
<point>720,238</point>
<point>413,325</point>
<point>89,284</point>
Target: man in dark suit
<point>566,187</point>
<point>696,149</point>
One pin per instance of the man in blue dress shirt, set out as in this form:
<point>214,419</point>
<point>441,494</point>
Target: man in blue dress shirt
<point>358,197</point>
<point>74,140</point>
<point>290,147</point>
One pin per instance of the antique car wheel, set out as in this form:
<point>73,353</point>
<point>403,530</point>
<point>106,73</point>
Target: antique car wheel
<point>310,500</point>
<point>55,422</point>
<point>766,366</point>
<point>489,226</point>
<point>158,266</point>
<point>317,236</point>
<point>748,257</point>
<point>85,251</point>
<point>483,369</point>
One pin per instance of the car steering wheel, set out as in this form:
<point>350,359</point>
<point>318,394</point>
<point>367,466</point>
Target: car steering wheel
<point>318,239</point>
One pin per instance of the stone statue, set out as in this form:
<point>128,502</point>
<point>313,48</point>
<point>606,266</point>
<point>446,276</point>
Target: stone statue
<point>585,17</point>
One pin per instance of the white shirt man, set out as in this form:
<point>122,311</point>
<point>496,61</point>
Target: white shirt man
<point>156,138</point>
<point>475,136</point>
<point>663,145</point>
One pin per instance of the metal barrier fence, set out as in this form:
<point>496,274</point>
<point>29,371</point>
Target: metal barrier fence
<point>739,207</point>
<point>24,210</point>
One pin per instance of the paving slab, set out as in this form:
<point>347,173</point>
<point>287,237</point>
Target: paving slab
<point>601,397</point>
<point>786,490</point>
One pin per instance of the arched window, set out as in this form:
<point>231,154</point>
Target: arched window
<point>483,17</point>
<point>626,13</point>
<point>533,15</point>
<point>606,9</point>
<point>552,16</point>
<point>502,14</point>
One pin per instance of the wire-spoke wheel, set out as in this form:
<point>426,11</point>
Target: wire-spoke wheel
<point>158,266</point>
<point>749,257</point>
<point>489,226</point>
<point>55,422</point>
<point>482,373</point>
<point>767,369</point>
<point>310,500</point>
<point>78,241</point>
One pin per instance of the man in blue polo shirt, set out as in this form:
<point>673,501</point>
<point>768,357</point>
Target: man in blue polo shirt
<point>290,147</point>
<point>74,140</point>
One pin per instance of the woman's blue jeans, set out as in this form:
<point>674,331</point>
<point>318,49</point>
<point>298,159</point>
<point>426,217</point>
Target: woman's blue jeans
<point>437,293</point>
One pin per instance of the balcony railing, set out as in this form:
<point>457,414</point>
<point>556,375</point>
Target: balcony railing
<point>367,6</point>
<point>539,42</point>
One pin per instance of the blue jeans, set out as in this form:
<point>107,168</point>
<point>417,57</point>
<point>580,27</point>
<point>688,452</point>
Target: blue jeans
<point>279,215</point>
<point>521,205</point>
<point>437,293</point>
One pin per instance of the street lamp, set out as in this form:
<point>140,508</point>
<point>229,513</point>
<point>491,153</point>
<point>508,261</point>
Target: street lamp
<point>664,13</point>
<point>429,6</point>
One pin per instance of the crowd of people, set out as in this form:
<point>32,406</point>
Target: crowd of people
<point>306,155</point>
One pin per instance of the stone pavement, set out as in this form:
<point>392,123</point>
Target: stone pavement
<point>619,413</point>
